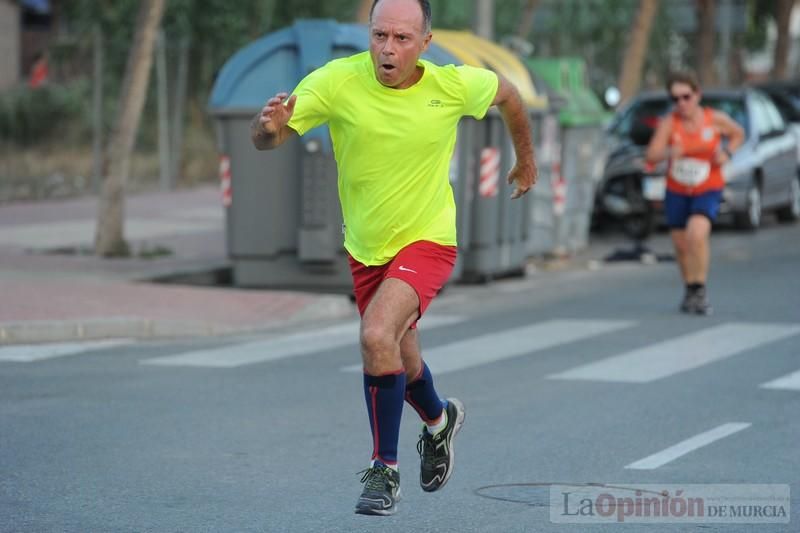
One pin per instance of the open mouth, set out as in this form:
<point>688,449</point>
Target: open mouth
<point>387,67</point>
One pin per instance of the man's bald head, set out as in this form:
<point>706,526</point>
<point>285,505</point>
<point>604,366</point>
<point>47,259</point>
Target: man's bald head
<point>425,7</point>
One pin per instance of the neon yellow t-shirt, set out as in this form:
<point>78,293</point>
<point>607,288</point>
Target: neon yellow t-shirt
<point>393,148</point>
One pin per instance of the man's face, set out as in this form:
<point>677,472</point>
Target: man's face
<point>397,39</point>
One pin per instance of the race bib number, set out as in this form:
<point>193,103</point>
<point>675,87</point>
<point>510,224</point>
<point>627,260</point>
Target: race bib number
<point>690,172</point>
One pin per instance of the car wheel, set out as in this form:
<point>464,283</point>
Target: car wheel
<point>638,226</point>
<point>750,218</point>
<point>791,212</point>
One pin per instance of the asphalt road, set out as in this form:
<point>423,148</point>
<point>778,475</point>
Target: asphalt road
<point>572,377</point>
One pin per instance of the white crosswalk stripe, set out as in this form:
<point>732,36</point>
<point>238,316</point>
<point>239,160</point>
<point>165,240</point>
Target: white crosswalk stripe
<point>297,344</point>
<point>31,353</point>
<point>486,349</point>
<point>643,365</point>
<point>687,352</point>
<point>787,382</point>
<point>668,455</point>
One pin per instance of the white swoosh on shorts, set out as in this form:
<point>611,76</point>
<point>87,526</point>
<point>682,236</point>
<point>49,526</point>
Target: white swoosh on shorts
<point>404,269</point>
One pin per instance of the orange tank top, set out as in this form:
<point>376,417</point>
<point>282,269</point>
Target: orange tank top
<point>695,172</point>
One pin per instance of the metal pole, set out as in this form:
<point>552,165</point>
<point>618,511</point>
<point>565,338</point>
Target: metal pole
<point>163,113</point>
<point>97,109</point>
<point>179,104</point>
<point>726,19</point>
<point>483,18</point>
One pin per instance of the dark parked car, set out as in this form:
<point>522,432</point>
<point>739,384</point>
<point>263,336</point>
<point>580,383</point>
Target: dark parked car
<point>786,97</point>
<point>763,174</point>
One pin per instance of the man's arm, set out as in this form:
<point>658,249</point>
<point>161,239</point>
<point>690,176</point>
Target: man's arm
<point>269,128</point>
<point>514,115</point>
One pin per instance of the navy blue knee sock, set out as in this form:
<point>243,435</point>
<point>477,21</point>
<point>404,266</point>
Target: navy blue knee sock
<point>384,396</point>
<point>421,395</point>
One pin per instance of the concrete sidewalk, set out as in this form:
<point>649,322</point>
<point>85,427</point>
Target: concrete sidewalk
<point>54,290</point>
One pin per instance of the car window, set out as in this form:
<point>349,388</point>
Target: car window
<point>733,107</point>
<point>760,117</point>
<point>643,113</point>
<point>792,95</point>
<point>788,109</point>
<point>794,98</point>
<point>775,118</point>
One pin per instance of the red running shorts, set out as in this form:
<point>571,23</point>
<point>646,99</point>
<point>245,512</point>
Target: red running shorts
<point>424,265</point>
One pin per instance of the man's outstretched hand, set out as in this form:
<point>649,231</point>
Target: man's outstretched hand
<point>268,128</point>
<point>276,114</point>
<point>525,176</point>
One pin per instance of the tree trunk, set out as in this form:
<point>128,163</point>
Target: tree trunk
<point>706,36</point>
<point>783,12</point>
<point>109,237</point>
<point>632,64</point>
<point>362,15</point>
<point>526,22</point>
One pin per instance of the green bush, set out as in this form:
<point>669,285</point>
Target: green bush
<point>54,111</point>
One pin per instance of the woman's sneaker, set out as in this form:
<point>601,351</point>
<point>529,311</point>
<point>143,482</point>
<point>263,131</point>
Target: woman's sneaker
<point>436,451</point>
<point>700,305</point>
<point>381,491</point>
<point>687,302</point>
<point>695,302</point>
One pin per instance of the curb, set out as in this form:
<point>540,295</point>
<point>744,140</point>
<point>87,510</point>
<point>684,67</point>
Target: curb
<point>72,330</point>
<point>47,331</point>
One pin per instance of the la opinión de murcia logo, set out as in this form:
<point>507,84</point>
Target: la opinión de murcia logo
<point>692,503</point>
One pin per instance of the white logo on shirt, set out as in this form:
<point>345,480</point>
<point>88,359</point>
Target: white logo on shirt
<point>404,269</point>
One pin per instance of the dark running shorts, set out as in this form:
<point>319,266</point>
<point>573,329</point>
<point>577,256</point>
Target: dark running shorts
<point>679,207</point>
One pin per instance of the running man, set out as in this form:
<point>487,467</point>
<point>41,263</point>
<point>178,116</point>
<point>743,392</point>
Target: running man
<point>393,119</point>
<point>691,138</point>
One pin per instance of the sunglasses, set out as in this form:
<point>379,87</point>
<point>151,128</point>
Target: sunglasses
<point>678,97</point>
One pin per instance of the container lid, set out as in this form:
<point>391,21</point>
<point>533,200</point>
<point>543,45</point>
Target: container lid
<point>479,52</point>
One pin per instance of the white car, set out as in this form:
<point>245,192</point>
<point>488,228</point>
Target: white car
<point>763,175</point>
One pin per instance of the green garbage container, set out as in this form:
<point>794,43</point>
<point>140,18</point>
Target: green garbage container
<point>581,120</point>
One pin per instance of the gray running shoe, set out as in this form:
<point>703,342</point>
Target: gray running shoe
<point>436,451</point>
<point>696,302</point>
<point>699,304</point>
<point>381,491</point>
<point>686,303</point>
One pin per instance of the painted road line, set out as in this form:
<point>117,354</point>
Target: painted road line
<point>293,345</point>
<point>787,382</point>
<point>683,353</point>
<point>506,344</point>
<point>689,445</point>
<point>31,353</point>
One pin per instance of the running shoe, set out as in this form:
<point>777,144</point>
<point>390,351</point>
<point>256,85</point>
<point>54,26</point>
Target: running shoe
<point>700,304</point>
<point>381,491</point>
<point>687,302</point>
<point>436,451</point>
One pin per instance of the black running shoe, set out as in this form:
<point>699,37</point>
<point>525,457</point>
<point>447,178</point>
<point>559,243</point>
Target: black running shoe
<point>688,301</point>
<point>381,491</point>
<point>699,304</point>
<point>436,451</point>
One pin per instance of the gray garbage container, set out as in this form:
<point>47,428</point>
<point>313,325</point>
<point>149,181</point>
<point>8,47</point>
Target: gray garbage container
<point>283,218</point>
<point>493,229</point>
<point>546,199</point>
